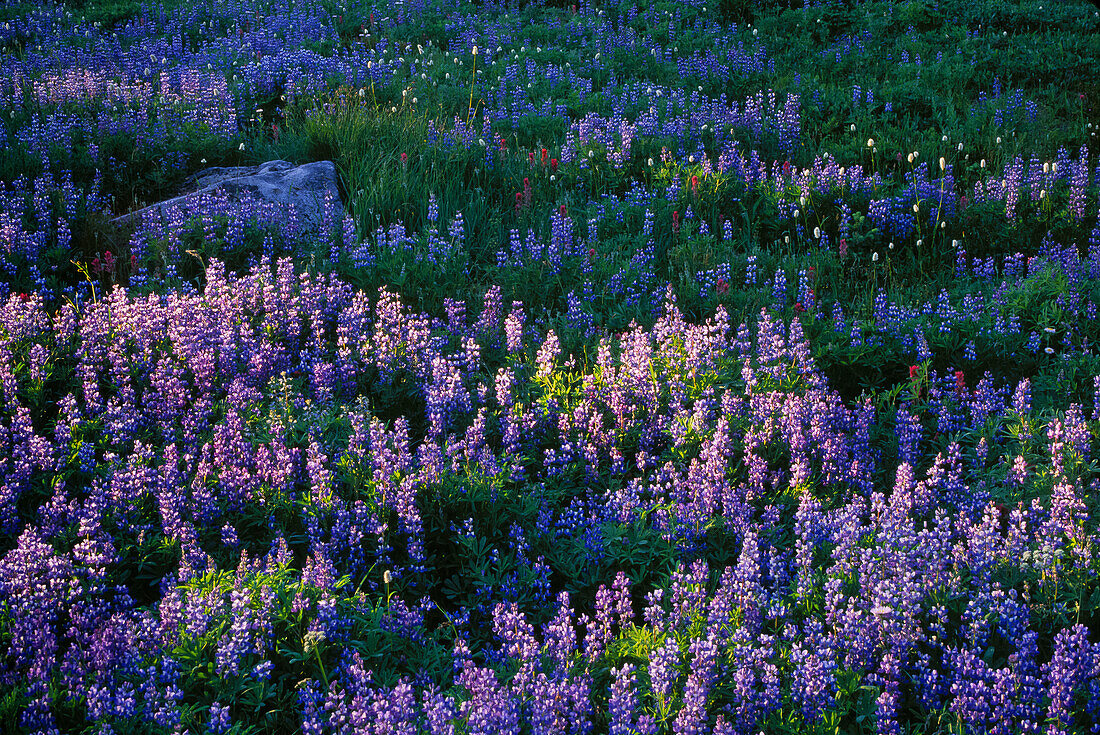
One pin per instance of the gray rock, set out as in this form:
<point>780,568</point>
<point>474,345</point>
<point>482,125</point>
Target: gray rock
<point>302,187</point>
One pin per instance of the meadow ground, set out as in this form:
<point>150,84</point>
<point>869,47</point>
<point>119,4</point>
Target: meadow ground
<point>667,367</point>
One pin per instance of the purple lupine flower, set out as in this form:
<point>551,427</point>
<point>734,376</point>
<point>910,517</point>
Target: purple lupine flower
<point>309,699</point>
<point>488,708</point>
<point>702,676</point>
<point>744,584</point>
<point>813,681</point>
<point>220,720</point>
<point>1071,664</point>
<point>622,705</point>
<point>513,328</point>
<point>549,351</point>
<point>1018,473</point>
<point>598,631</point>
<point>1068,511</point>
<point>393,711</point>
<point>492,314</point>
<point>909,430</point>
<point>520,645</point>
<point>688,593</point>
<point>929,686</point>
<point>1077,432</point>
<point>562,704</point>
<point>755,681</point>
<point>664,673</point>
<point>560,636</point>
<point>971,684</point>
<point>440,711</point>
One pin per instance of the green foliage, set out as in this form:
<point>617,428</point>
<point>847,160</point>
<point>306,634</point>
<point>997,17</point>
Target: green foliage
<point>297,651</point>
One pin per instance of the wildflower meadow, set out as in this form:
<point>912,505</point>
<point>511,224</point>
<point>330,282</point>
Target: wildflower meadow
<point>663,366</point>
